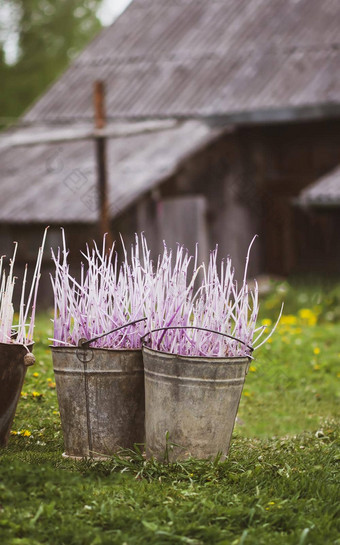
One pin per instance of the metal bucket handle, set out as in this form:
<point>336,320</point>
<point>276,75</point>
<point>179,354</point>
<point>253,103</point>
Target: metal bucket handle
<point>84,343</point>
<point>198,328</point>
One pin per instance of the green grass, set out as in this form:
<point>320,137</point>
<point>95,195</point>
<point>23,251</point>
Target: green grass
<point>293,389</point>
<point>279,485</point>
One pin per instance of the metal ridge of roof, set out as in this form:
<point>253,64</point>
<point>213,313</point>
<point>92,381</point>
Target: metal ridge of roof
<point>22,136</point>
<point>287,113</point>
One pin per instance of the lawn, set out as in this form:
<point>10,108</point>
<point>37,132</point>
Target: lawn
<point>279,485</point>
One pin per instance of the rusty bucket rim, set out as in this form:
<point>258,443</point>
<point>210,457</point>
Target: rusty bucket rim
<point>96,348</point>
<point>17,345</point>
<point>219,359</point>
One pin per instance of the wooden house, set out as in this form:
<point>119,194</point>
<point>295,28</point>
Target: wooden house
<point>222,115</point>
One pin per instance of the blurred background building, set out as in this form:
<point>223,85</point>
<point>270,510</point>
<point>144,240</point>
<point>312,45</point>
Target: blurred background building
<point>222,121</point>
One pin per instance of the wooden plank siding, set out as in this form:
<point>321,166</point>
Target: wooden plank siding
<point>284,160</point>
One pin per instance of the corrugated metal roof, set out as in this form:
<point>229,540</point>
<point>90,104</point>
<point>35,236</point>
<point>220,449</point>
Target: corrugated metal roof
<point>324,192</point>
<point>56,183</point>
<point>168,58</point>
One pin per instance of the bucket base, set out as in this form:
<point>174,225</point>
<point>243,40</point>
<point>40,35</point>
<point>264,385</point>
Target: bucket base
<point>98,458</point>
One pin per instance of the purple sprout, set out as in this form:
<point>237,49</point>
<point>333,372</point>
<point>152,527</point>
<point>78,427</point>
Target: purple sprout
<point>218,304</point>
<point>21,332</point>
<point>107,296</point>
<point>187,304</point>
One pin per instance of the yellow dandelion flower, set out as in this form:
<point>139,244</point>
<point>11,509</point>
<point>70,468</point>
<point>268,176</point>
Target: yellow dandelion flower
<point>13,432</point>
<point>37,394</point>
<point>266,322</point>
<point>26,433</point>
<point>288,319</point>
<point>35,375</point>
<point>252,368</point>
<point>305,312</point>
<point>51,385</point>
<point>307,316</point>
<point>316,350</point>
<point>270,340</point>
<point>246,394</point>
<point>271,503</point>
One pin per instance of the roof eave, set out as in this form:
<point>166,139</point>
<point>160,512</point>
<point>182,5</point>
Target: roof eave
<point>261,116</point>
<point>285,114</point>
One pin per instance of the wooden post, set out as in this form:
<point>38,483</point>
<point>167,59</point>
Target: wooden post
<point>100,142</point>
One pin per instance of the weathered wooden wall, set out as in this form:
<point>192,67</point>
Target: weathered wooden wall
<point>209,189</point>
<point>281,161</point>
<point>318,242</point>
<point>249,179</point>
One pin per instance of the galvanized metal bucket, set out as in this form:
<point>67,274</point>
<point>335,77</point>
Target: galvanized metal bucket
<point>101,399</point>
<point>191,404</point>
<point>14,360</point>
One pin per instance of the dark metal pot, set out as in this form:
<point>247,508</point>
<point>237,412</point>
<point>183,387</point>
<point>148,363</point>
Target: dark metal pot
<point>14,360</point>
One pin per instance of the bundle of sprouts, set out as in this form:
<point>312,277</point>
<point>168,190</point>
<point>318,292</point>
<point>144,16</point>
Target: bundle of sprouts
<point>212,317</point>
<point>216,320</point>
<point>22,331</point>
<point>107,296</point>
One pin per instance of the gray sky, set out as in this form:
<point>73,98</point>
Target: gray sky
<point>111,9</point>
